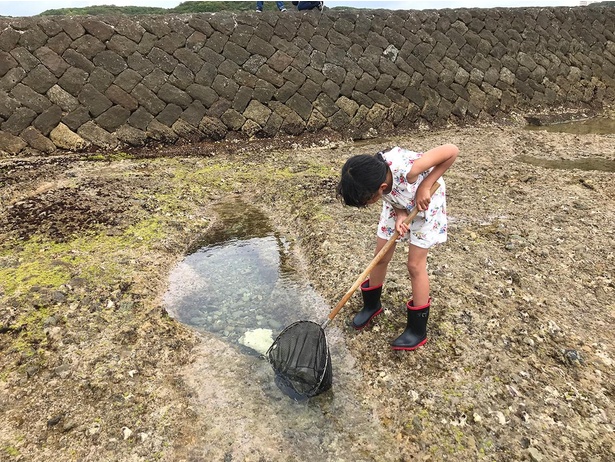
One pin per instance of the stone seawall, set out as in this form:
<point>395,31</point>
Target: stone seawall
<point>80,83</point>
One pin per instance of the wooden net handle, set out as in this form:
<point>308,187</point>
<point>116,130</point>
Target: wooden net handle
<point>413,213</point>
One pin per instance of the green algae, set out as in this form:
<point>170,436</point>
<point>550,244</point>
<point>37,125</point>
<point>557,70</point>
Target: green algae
<point>44,263</point>
<point>31,331</point>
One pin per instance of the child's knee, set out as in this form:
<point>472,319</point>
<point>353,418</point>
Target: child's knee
<point>412,269</point>
<point>416,267</point>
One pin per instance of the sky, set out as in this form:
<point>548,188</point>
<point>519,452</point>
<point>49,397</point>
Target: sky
<point>33,7</point>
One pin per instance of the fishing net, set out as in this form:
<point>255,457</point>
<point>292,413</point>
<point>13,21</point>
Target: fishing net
<point>301,360</point>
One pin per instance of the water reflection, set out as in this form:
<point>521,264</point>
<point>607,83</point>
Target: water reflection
<point>594,125</point>
<point>238,280</point>
<point>590,163</point>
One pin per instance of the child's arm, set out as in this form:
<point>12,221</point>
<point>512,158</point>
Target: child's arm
<point>440,158</point>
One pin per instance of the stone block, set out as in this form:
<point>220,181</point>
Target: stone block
<point>213,128</point>
<point>148,99</point>
<point>131,135</point>
<point>98,136</point>
<point>12,78</point>
<point>25,59</point>
<point>325,105</point>
<point>7,62</point>
<point>48,120</point>
<point>9,38</point>
<point>233,119</point>
<point>88,46</point>
<point>362,99</point>
<point>189,59</point>
<point>173,95</point>
<point>216,42</point>
<point>64,138</point>
<point>269,75</point>
<point>300,105</point>
<point>110,61</point>
<point>95,101</point>
<point>218,108</point>
<point>52,61</point>
<point>194,113</point>
<point>293,124</point>
<point>130,29</point>
<point>36,140</point>
<point>8,105</point>
<point>235,53</point>
<point>77,61</point>
<point>242,98</point>
<point>11,144</point>
<point>171,42</point>
<point>33,38</point>
<point>101,79</point>
<point>169,115</point>
<point>76,118</point>
<point>140,119</point>
<point>309,90</point>
<point>228,68</point>
<point>60,43</point>
<point>40,79</point>
<point>241,35</point>
<point>30,98</point>
<point>331,89</point>
<point>73,80</point>
<point>98,29</point>
<point>258,46</point>
<point>113,118</point>
<point>162,60</point>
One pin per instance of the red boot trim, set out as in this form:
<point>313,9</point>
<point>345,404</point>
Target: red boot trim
<point>410,348</point>
<point>366,288</point>
<point>411,307</point>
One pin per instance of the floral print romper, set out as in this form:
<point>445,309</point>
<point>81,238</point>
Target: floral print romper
<point>429,226</point>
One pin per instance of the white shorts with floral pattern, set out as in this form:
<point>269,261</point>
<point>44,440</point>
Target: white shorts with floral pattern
<point>426,230</point>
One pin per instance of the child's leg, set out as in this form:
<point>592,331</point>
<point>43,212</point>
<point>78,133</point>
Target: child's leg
<point>379,272</point>
<point>417,309</point>
<point>417,267</point>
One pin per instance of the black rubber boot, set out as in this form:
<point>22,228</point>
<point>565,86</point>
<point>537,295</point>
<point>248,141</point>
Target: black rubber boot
<point>371,305</point>
<point>415,334</point>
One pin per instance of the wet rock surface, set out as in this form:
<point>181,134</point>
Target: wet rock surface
<point>519,362</point>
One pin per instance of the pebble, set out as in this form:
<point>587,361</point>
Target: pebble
<point>573,357</point>
<point>94,428</point>
<point>535,454</point>
<point>62,371</point>
<point>68,425</point>
<point>126,432</point>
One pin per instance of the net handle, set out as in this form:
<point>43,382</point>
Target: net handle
<point>413,213</point>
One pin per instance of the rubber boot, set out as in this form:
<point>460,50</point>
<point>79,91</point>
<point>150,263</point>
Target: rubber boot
<point>415,334</point>
<point>371,305</point>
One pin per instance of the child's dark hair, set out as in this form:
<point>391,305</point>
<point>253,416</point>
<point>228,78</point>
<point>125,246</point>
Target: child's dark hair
<point>361,177</point>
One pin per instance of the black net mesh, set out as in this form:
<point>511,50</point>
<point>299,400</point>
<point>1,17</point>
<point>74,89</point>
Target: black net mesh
<point>301,361</point>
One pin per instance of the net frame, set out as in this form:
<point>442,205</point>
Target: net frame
<point>301,360</point>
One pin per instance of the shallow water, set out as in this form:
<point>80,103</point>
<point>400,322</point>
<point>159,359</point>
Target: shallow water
<point>237,286</point>
<point>241,279</point>
<point>590,163</point>
<point>594,125</point>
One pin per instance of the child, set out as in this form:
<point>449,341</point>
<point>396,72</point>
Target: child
<point>402,179</point>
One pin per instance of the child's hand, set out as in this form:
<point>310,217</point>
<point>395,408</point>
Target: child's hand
<point>423,197</point>
<point>400,226</point>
